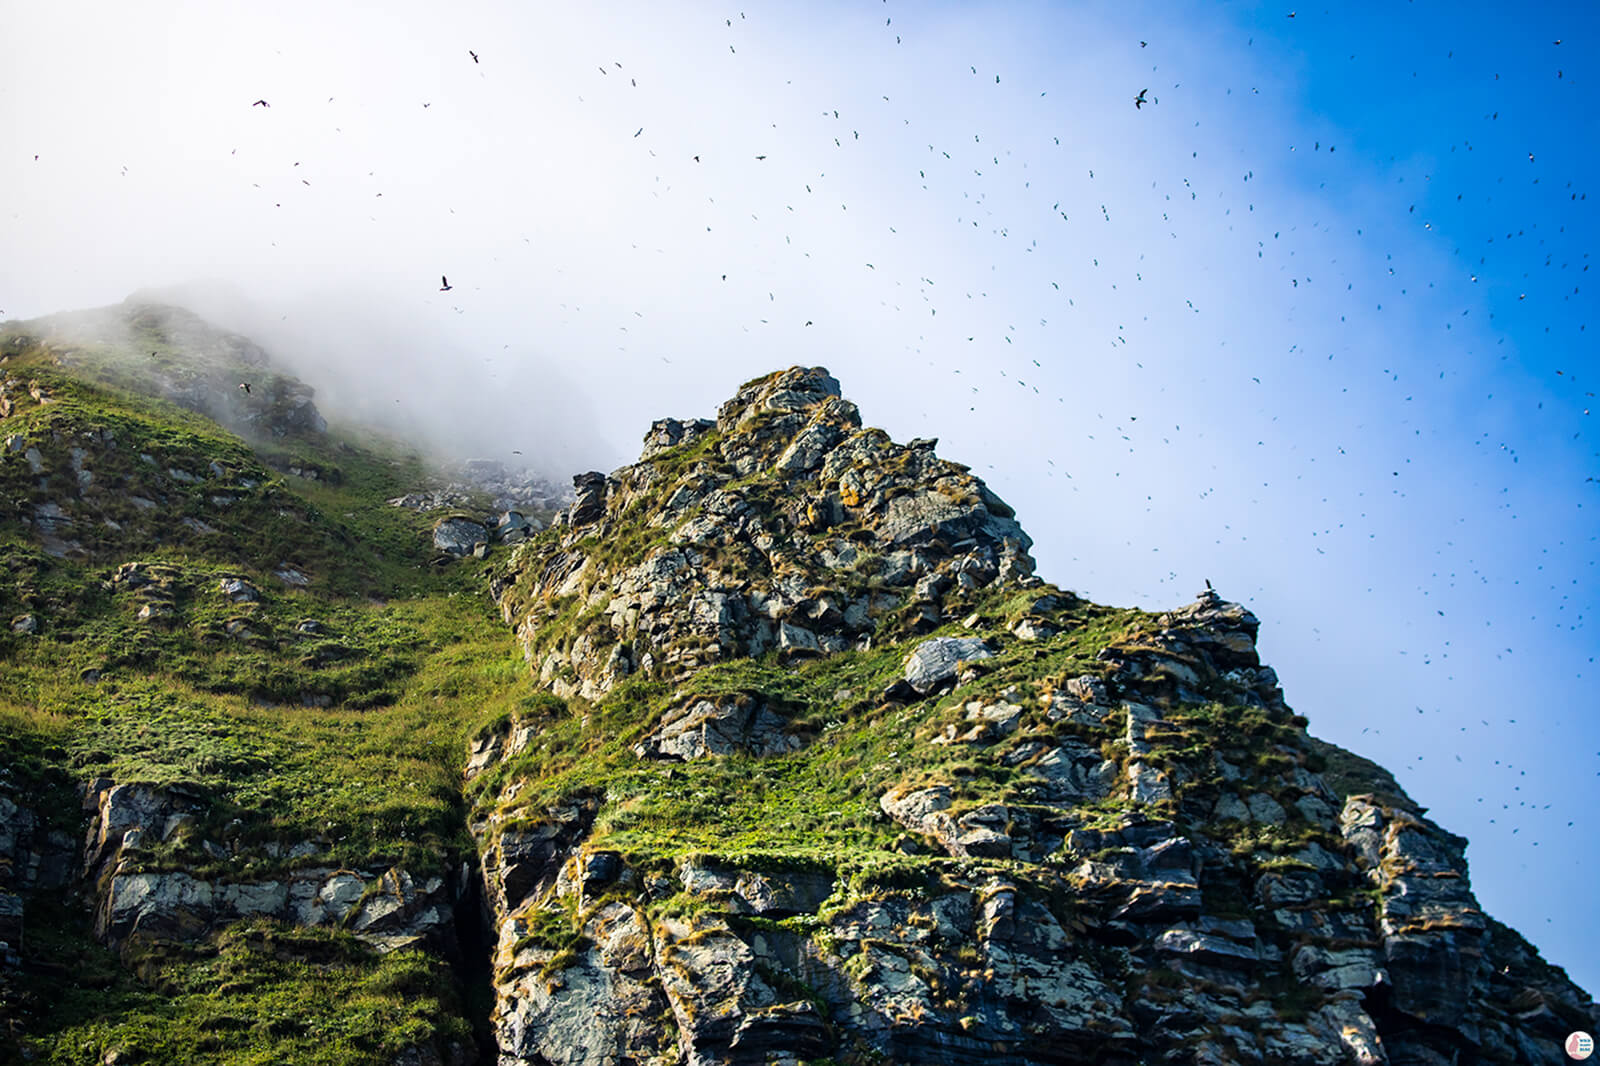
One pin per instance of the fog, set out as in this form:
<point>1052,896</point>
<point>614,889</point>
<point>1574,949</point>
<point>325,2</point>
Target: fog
<point>1309,322</point>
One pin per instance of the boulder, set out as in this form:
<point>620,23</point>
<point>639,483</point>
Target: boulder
<point>935,662</point>
<point>238,590</point>
<point>458,536</point>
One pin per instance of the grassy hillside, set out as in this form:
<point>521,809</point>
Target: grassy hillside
<point>179,610</point>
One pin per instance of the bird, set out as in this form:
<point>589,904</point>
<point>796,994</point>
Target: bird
<point>245,385</point>
<point>1208,583</point>
<point>473,54</point>
<point>444,283</point>
<point>1139,101</point>
<point>260,103</point>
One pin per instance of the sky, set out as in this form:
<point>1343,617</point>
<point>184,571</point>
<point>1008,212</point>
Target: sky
<point>1309,321</point>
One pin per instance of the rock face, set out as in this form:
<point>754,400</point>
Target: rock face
<point>1129,854</point>
<point>805,765</point>
<point>782,526</point>
<point>388,909</point>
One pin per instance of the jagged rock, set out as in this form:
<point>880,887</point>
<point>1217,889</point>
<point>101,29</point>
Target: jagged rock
<point>389,910</point>
<point>458,536</point>
<point>1206,948</point>
<point>238,590</point>
<point>291,576</point>
<point>26,624</point>
<point>935,661</point>
<point>1264,808</point>
<point>1072,772</point>
<point>1148,784</point>
<point>670,432</point>
<point>706,727</point>
<point>600,1010</point>
<point>733,574</point>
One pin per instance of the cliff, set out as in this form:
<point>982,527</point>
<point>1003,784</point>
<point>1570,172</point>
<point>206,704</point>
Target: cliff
<point>770,747</point>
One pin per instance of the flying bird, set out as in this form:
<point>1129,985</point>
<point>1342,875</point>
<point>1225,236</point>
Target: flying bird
<point>1208,583</point>
<point>260,103</point>
<point>444,283</point>
<point>473,54</point>
<point>245,385</point>
<point>1139,101</point>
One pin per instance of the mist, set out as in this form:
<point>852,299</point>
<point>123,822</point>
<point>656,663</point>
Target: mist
<point>1308,322</point>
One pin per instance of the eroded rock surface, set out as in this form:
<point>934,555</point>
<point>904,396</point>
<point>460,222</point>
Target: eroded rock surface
<point>1136,859</point>
<point>782,526</point>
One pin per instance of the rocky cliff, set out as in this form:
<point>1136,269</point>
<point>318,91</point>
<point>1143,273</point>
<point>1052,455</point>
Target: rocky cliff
<point>769,747</point>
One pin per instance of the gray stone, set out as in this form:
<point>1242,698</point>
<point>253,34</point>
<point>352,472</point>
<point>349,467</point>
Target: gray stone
<point>458,536</point>
<point>238,590</point>
<point>1073,772</point>
<point>935,661</point>
<point>1230,808</point>
<point>1263,808</point>
<point>1205,948</point>
<point>1148,784</point>
<point>741,724</point>
<point>291,576</point>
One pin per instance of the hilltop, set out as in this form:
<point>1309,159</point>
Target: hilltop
<point>769,747</point>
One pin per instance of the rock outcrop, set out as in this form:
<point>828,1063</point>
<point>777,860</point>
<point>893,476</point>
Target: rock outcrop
<point>1069,834</point>
<point>784,525</point>
<point>802,764</point>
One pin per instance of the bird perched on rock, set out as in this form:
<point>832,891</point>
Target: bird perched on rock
<point>1139,101</point>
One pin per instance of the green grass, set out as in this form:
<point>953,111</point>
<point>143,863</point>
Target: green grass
<point>337,713</point>
<point>258,993</point>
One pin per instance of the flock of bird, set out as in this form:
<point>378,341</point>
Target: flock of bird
<point>981,202</point>
<point>1046,257</point>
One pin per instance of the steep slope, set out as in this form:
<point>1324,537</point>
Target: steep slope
<point>837,778</point>
<point>232,713</point>
<point>770,748</point>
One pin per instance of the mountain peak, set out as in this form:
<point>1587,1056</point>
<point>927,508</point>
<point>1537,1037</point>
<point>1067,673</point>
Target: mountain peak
<point>783,525</point>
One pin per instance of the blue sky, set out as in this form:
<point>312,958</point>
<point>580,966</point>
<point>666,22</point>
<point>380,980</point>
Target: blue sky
<point>1311,323</point>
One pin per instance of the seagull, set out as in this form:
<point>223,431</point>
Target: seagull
<point>444,283</point>
<point>473,54</point>
<point>1139,101</point>
<point>245,385</point>
<point>1208,583</point>
<point>260,103</point>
